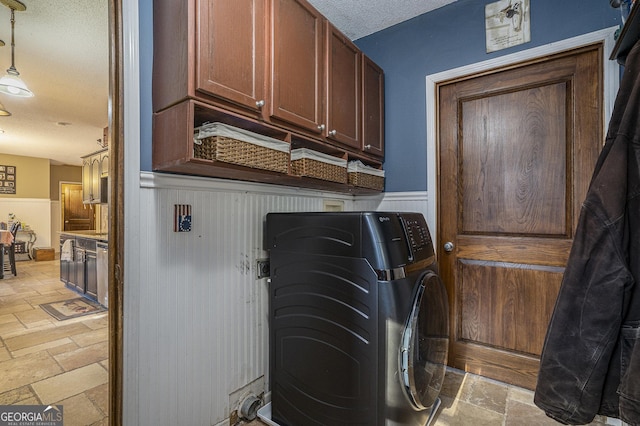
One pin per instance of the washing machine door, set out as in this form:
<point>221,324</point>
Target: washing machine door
<point>425,342</point>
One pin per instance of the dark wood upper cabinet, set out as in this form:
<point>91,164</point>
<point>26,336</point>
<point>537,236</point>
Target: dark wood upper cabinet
<point>297,65</point>
<point>343,100</point>
<point>211,50</point>
<point>277,68</point>
<point>372,108</point>
<point>232,50</point>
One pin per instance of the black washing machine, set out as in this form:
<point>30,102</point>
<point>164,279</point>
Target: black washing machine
<point>358,331</point>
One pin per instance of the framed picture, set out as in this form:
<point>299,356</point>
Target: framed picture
<point>7,179</point>
<point>507,24</point>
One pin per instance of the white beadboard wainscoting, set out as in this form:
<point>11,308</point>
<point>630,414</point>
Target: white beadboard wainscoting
<point>35,212</point>
<point>196,316</point>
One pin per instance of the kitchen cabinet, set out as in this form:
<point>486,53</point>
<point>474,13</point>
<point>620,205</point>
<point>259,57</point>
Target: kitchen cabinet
<point>297,77</point>
<point>77,272</point>
<point>80,273</point>
<point>343,82</point>
<point>308,86</point>
<point>104,164</point>
<point>212,51</point>
<point>321,93</point>
<point>91,272</point>
<point>87,186</point>
<point>372,108</point>
<point>94,167</point>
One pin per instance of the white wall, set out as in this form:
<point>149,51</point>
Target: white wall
<point>35,212</point>
<point>196,314</point>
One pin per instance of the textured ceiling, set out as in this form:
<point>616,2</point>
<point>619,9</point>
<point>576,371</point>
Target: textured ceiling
<point>62,52</point>
<point>359,18</point>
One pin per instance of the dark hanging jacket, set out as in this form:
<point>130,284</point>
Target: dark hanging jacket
<point>590,362</point>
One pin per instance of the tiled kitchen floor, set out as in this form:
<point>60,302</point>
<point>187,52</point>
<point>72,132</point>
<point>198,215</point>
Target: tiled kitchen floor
<point>46,361</point>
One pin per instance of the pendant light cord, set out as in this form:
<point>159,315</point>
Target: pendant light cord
<point>12,69</point>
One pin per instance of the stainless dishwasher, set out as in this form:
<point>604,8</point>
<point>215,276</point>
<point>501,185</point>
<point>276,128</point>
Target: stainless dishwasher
<point>102,266</point>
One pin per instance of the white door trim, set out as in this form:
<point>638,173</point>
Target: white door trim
<point>611,83</point>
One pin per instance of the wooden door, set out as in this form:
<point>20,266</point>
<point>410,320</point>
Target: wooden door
<point>517,150</point>
<point>231,50</point>
<point>297,71</point>
<point>343,89</point>
<point>372,107</point>
<point>76,216</point>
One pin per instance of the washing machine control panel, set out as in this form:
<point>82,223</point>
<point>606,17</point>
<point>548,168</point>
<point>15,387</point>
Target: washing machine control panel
<point>418,236</point>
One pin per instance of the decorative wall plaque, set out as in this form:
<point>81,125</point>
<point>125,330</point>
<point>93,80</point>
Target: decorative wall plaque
<point>7,180</point>
<point>507,24</point>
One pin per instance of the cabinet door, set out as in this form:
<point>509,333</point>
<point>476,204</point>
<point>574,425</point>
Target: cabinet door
<point>231,50</point>
<point>91,278</point>
<point>95,177</point>
<point>87,187</point>
<point>104,164</point>
<point>297,70</point>
<point>343,89</point>
<point>373,107</point>
<point>77,275</point>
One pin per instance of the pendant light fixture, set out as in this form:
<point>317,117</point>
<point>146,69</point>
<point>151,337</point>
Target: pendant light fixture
<point>3,111</point>
<point>11,83</point>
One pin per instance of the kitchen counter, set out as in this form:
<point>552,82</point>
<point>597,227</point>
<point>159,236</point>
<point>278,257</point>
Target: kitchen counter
<point>91,234</point>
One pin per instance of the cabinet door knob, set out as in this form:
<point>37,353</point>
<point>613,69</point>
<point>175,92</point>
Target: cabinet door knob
<point>368,147</point>
<point>321,127</point>
<point>260,103</point>
<point>449,246</point>
<point>333,132</point>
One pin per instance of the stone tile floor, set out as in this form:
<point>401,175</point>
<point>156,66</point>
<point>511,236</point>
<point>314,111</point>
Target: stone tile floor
<point>471,400</point>
<point>46,361</point>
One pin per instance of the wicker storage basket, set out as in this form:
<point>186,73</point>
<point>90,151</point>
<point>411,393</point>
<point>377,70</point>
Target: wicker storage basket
<point>309,163</point>
<point>365,176</point>
<point>221,142</point>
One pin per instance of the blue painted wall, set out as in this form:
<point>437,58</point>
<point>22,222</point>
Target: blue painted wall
<point>446,38</point>
<point>145,11</point>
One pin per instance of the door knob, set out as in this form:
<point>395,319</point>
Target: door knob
<point>448,246</point>
<point>321,127</point>
<point>333,132</point>
<point>260,103</point>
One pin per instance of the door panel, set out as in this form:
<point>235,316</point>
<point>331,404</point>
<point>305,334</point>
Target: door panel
<point>297,71</point>
<point>513,179</point>
<point>517,147</point>
<point>519,322</point>
<point>343,89</point>
<point>231,56</point>
<point>373,107</point>
<point>76,216</point>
